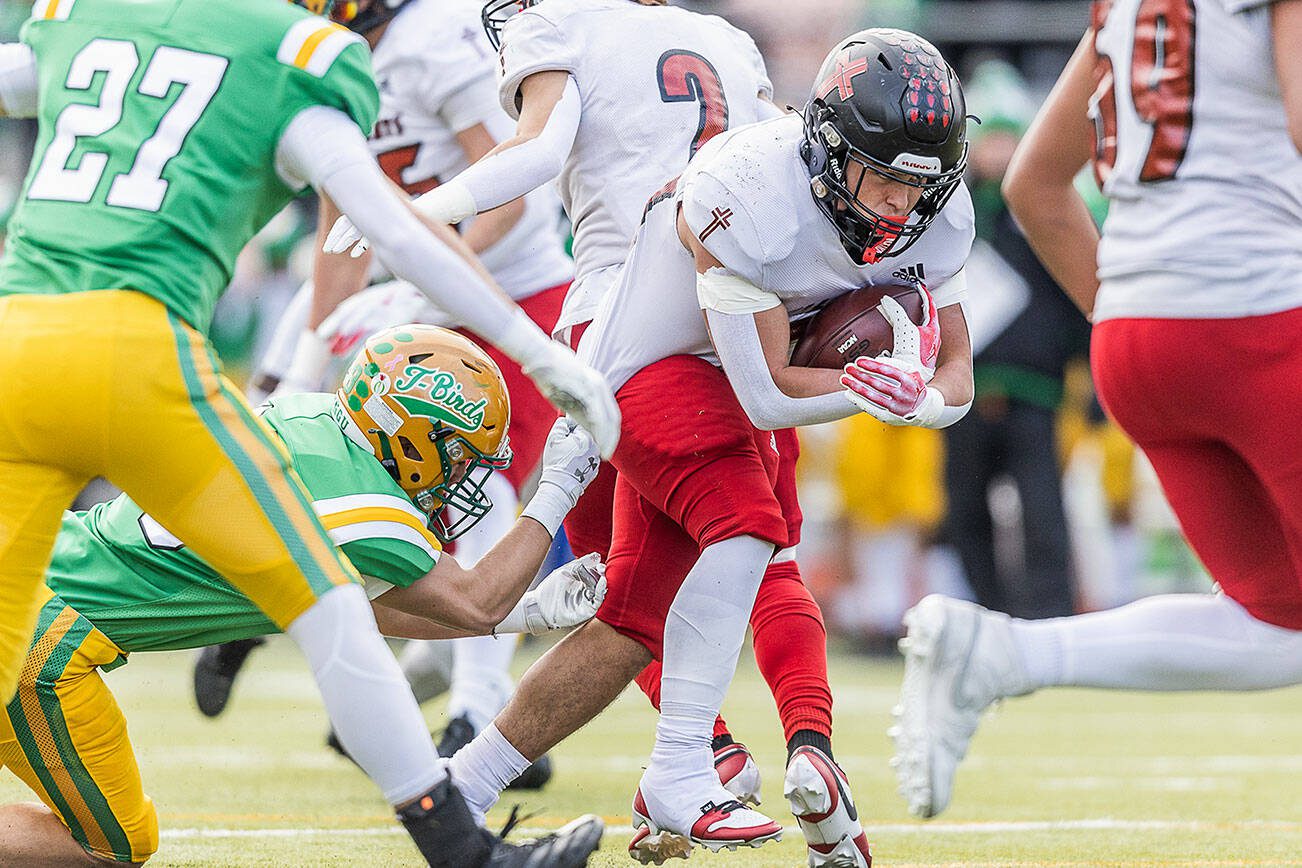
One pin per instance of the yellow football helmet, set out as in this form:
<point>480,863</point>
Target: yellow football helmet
<point>434,409</point>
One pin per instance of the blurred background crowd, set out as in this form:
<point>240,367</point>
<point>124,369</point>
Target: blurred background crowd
<point>1034,504</point>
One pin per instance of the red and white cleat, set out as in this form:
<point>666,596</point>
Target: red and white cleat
<point>730,824</point>
<point>738,772</point>
<point>819,795</point>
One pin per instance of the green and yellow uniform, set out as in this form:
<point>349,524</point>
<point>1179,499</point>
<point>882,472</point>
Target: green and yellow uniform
<point>155,163</point>
<point>119,582</point>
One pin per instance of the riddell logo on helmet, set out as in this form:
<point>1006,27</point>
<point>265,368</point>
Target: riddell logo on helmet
<point>916,163</point>
<point>445,400</point>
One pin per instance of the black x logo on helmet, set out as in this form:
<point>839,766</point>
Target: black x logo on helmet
<point>887,101</point>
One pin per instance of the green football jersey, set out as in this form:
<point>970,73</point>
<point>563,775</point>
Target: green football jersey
<point>158,126</point>
<point>139,585</point>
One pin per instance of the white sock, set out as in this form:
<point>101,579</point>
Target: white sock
<point>483,768</point>
<point>481,677</point>
<point>427,664</point>
<point>1170,642</point>
<point>369,703</point>
<point>703,636</point>
<point>481,670</point>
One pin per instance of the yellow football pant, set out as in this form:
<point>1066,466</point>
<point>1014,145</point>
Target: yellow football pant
<point>112,384</point>
<point>65,737</point>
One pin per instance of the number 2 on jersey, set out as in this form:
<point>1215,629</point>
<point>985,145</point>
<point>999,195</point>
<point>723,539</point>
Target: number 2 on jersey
<point>685,76</point>
<point>143,187</point>
<point>1161,87</point>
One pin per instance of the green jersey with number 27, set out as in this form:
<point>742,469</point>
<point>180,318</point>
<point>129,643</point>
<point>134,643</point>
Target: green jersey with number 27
<point>155,161</point>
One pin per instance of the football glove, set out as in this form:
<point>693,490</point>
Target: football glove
<point>578,391</point>
<point>343,235</point>
<point>569,462</point>
<point>374,309</point>
<point>892,391</point>
<point>916,346</point>
<point>569,596</point>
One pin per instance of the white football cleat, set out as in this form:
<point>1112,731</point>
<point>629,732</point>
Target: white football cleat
<point>728,824</point>
<point>819,795</point>
<point>959,658</point>
<point>738,772</point>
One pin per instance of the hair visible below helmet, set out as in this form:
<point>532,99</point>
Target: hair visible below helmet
<point>433,408</point>
<point>352,14</point>
<point>496,13</point>
<point>887,100</point>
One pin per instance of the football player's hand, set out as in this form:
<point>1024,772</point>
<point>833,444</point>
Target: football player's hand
<point>570,459</point>
<point>568,597</point>
<point>374,309</point>
<point>891,391</point>
<point>579,391</point>
<point>344,235</point>
<point>916,346</point>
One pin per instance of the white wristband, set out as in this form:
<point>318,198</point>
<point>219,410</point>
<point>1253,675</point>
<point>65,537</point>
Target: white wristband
<point>527,614</point>
<point>447,203</point>
<point>548,506</point>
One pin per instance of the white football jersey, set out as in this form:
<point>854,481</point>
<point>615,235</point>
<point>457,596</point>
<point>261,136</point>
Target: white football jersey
<point>655,83</point>
<point>437,74</point>
<point>1194,152</point>
<point>746,196</point>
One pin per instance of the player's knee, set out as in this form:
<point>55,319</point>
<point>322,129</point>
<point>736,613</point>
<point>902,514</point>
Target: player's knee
<point>140,831</point>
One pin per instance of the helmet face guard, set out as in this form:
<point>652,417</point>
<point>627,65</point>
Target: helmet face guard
<point>457,503</point>
<point>495,15</point>
<point>885,103</point>
<point>865,234</point>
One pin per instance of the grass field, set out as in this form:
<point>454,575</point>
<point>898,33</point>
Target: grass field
<point>1071,778</point>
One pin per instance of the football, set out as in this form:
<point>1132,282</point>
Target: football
<point>851,326</point>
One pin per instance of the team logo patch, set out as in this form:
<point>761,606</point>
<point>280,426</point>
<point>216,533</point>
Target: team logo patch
<point>444,402</point>
<point>722,218</point>
<point>842,81</point>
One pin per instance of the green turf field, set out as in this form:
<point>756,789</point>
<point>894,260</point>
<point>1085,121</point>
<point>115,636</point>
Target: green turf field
<point>1068,778</point>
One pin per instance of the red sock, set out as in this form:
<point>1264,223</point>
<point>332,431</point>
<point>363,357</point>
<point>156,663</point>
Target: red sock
<point>791,650</point>
<point>649,680</point>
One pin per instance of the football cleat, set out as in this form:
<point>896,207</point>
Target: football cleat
<point>738,772</point>
<point>959,658</point>
<point>445,832</point>
<point>215,672</point>
<point>727,824</point>
<point>819,795</point>
<point>459,733</point>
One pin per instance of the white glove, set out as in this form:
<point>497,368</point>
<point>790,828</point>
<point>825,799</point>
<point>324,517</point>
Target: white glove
<point>569,463</point>
<point>449,203</point>
<point>374,309</point>
<point>577,390</point>
<point>569,596</point>
<point>915,346</point>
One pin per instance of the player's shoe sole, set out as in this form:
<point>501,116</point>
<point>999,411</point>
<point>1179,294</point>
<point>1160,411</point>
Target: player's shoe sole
<point>653,845</point>
<point>818,794</point>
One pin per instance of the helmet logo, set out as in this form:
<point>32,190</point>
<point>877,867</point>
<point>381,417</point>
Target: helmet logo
<point>841,80</point>
<point>915,163</point>
<point>445,401</point>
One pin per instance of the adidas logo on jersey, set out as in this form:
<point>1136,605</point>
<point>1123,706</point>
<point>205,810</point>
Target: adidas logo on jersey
<point>911,274</point>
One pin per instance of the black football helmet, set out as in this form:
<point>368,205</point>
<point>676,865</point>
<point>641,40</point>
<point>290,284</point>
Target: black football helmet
<point>495,14</point>
<point>887,100</point>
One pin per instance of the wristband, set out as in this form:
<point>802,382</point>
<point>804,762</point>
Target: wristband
<point>548,506</point>
<point>447,203</point>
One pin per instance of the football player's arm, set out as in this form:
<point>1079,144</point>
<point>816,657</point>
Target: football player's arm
<point>17,80</point>
<point>1286,28</point>
<point>549,122</point>
<point>491,595</point>
<point>1040,184</point>
<point>754,345</point>
<point>492,225</point>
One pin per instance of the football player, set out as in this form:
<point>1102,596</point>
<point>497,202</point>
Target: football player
<point>120,582</point>
<point>167,138</point>
<point>767,222</point>
<point>438,113</point>
<point>1195,289</point>
<point>574,72</point>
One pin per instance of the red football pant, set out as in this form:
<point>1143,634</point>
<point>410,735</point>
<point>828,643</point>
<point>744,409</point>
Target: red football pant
<point>532,415</point>
<point>1216,405</point>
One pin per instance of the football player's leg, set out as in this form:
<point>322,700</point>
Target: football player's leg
<point>564,690</point>
<point>65,737</point>
<point>214,475</point>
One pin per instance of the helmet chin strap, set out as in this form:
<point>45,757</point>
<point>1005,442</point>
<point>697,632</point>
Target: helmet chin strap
<point>885,238</point>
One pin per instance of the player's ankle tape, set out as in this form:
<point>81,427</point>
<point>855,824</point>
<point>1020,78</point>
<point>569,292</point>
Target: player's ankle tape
<point>442,828</point>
